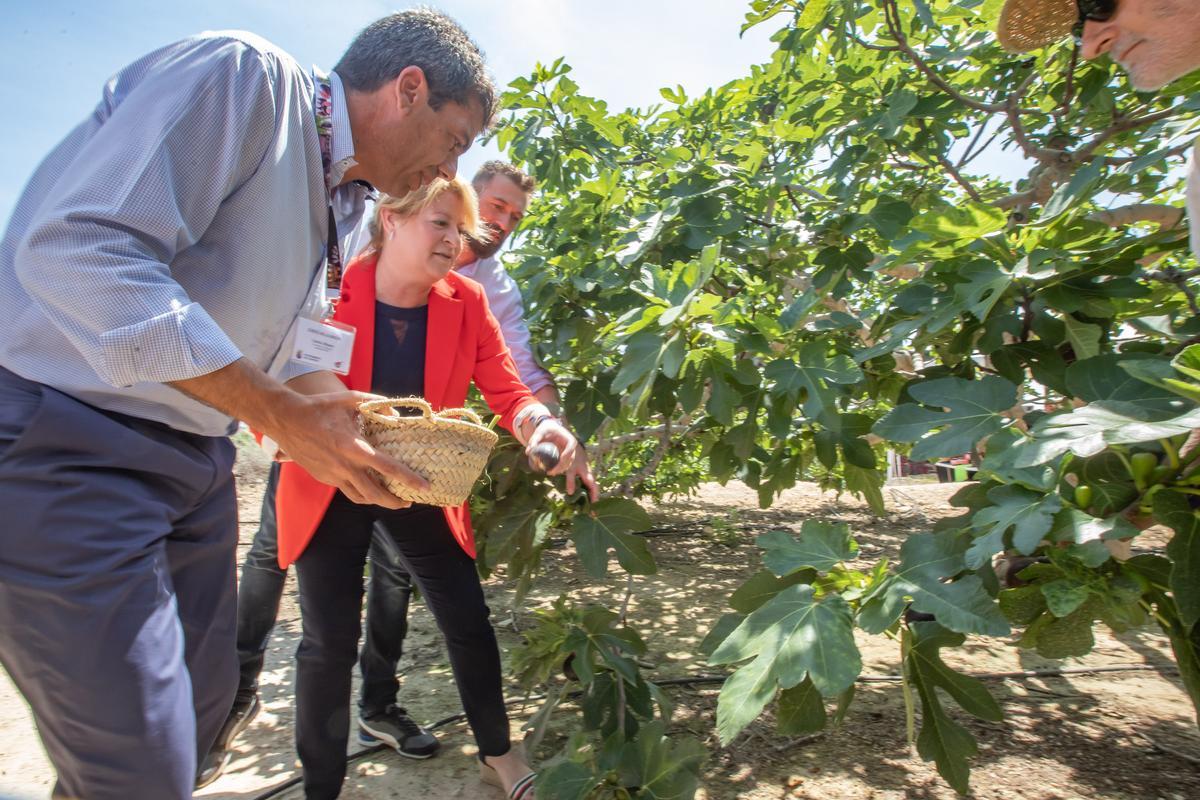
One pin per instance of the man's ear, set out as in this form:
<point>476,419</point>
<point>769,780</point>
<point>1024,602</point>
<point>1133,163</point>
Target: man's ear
<point>410,89</point>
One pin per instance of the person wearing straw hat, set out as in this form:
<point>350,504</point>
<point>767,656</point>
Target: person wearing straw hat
<point>424,331</point>
<point>1155,41</point>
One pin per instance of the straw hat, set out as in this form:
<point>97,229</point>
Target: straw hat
<point>1029,24</point>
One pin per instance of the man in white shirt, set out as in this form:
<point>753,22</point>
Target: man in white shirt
<point>504,192</point>
<point>1155,41</point>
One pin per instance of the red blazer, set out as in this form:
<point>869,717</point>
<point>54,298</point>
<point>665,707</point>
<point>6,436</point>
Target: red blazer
<point>464,343</point>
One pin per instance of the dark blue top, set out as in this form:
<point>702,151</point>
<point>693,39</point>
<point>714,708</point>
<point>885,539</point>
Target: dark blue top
<point>398,369</point>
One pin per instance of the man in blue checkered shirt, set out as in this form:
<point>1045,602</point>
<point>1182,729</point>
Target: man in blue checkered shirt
<point>150,280</point>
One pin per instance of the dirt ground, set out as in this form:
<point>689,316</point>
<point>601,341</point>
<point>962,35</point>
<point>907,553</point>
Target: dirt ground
<point>1117,736</point>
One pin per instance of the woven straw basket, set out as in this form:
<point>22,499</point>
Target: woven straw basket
<point>448,448</point>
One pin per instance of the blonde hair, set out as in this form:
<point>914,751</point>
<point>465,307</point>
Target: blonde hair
<point>415,202</point>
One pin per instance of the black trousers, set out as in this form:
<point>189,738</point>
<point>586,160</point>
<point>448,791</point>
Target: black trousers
<point>261,588</point>
<point>331,590</point>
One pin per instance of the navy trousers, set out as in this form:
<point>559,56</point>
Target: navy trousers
<point>116,590</point>
<point>261,588</point>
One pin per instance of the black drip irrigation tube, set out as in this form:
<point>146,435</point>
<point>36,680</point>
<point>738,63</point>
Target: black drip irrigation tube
<point>275,791</point>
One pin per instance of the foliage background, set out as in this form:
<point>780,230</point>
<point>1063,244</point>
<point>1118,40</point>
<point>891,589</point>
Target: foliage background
<point>773,281</point>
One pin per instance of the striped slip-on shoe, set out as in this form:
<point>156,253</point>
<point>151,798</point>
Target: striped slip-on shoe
<point>521,790</point>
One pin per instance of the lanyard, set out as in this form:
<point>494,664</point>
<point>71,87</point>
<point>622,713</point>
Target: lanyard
<point>323,111</point>
<point>318,342</point>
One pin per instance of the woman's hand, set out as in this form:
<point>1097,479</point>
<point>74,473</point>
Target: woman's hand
<point>550,431</point>
<point>580,471</point>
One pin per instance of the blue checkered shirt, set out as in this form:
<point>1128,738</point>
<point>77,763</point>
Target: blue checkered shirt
<point>178,228</point>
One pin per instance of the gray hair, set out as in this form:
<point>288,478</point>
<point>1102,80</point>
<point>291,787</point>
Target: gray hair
<point>425,38</point>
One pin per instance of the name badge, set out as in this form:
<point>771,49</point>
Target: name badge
<point>323,345</point>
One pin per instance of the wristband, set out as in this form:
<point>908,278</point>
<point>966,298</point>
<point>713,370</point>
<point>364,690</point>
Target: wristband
<point>562,420</point>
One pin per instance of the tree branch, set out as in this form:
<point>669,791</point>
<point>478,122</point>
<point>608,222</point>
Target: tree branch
<point>763,222</point>
<point>959,179</point>
<point>684,426</point>
<point>796,203</point>
<point>1087,152</point>
<point>1162,215</point>
<point>1117,161</point>
<point>813,193</point>
<point>1017,200</point>
<point>1190,294</point>
<point>1180,280</point>
<point>660,452</point>
<point>1069,89</point>
<point>612,443</point>
<point>1026,314</point>
<point>1013,111</point>
<point>1184,345</point>
<point>892,18</point>
<point>954,173</point>
<point>966,156</point>
<point>883,48</point>
<point>891,15</point>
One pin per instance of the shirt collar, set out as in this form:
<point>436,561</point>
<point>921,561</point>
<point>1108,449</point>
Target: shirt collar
<point>468,270</point>
<point>342,143</point>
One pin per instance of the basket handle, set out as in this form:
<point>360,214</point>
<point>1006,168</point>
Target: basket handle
<point>461,413</point>
<point>372,407</point>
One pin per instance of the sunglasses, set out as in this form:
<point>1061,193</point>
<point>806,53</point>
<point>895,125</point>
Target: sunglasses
<point>1096,10</point>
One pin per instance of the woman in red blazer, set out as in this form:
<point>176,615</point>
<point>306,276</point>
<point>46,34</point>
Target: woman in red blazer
<point>421,329</point>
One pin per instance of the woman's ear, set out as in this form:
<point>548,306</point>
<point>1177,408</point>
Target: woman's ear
<point>389,222</point>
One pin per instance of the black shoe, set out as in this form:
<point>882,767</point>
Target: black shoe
<point>244,710</point>
<point>397,730</point>
<point>212,766</point>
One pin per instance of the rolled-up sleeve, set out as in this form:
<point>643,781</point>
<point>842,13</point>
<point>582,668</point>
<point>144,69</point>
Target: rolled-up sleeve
<point>97,256</point>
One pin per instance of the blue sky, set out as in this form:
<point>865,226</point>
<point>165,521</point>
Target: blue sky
<point>56,54</point>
